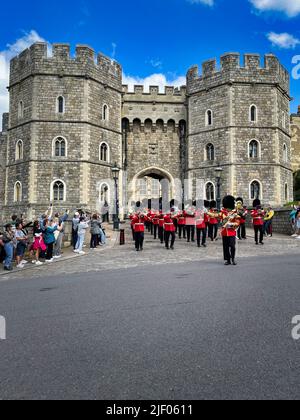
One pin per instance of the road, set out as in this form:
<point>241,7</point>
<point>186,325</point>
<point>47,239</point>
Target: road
<point>180,331</point>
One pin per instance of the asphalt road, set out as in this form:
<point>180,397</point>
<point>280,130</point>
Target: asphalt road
<point>201,331</point>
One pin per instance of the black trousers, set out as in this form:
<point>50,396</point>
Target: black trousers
<point>155,229</point>
<point>212,231</point>
<point>182,231</point>
<point>169,235</point>
<point>229,247</point>
<point>161,234</point>
<point>175,221</point>
<point>94,241</point>
<point>49,252</point>
<point>190,232</point>
<point>242,231</point>
<point>74,238</point>
<point>133,234</point>
<point>259,232</point>
<point>201,233</point>
<point>139,240</point>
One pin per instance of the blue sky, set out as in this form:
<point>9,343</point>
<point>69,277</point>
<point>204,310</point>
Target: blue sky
<point>156,41</point>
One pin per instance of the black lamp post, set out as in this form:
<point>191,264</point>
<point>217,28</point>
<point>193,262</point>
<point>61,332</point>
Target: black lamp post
<point>219,173</point>
<point>115,171</point>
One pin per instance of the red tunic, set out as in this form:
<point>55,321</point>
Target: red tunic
<point>212,219</point>
<point>139,226</point>
<point>229,230</point>
<point>169,225</point>
<point>258,217</point>
<point>200,220</point>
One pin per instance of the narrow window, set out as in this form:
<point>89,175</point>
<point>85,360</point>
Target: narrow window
<point>21,110</point>
<point>60,147</point>
<point>61,105</point>
<point>253,149</point>
<point>209,118</point>
<point>286,193</point>
<point>285,153</point>
<point>210,152</point>
<point>210,191</point>
<point>253,113</point>
<point>18,192</point>
<point>105,113</point>
<point>255,190</point>
<point>19,150</point>
<point>104,152</point>
<point>58,191</point>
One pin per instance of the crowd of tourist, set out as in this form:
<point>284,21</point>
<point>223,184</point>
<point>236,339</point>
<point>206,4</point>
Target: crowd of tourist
<point>295,222</point>
<point>42,239</point>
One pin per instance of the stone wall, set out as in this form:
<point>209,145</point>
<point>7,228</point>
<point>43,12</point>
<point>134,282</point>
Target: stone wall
<point>295,131</point>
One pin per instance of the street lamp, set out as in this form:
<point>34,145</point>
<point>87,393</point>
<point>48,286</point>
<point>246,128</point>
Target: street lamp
<point>115,171</point>
<point>219,174</point>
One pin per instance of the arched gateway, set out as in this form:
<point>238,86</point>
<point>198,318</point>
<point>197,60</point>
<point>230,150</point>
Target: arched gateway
<point>153,187</point>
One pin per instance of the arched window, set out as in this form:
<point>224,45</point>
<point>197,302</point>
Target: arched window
<point>253,113</point>
<point>19,150</point>
<point>21,110</point>
<point>60,105</point>
<point>210,191</point>
<point>210,152</point>
<point>18,192</point>
<point>104,193</point>
<point>104,152</point>
<point>60,147</point>
<point>286,193</point>
<point>255,190</point>
<point>285,153</point>
<point>209,118</point>
<point>58,191</point>
<point>105,113</point>
<point>254,149</point>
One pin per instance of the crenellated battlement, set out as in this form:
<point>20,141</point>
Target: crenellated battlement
<point>38,60</point>
<point>252,70</point>
<point>154,93</point>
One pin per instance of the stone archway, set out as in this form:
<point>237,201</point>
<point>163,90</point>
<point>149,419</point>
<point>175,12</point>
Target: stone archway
<point>153,187</point>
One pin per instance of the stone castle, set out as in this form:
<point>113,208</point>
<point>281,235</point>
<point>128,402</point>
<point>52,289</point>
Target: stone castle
<point>70,120</point>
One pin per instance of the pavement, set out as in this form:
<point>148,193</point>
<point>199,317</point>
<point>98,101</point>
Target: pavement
<point>192,330</point>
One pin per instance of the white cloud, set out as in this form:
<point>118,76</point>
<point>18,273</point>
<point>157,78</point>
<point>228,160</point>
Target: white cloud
<point>283,40</point>
<point>290,7</point>
<point>207,2</point>
<point>11,51</point>
<point>154,80</point>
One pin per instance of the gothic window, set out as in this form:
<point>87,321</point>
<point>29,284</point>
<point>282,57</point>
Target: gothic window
<point>18,192</point>
<point>253,149</point>
<point>286,193</point>
<point>285,153</point>
<point>143,188</point>
<point>104,193</point>
<point>61,105</point>
<point>60,147</point>
<point>58,191</point>
<point>210,152</point>
<point>209,118</point>
<point>255,190</point>
<point>104,152</point>
<point>210,191</point>
<point>105,113</point>
<point>21,110</point>
<point>19,150</point>
<point>253,113</point>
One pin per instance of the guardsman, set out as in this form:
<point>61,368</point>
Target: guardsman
<point>139,232</point>
<point>155,221</point>
<point>242,212</point>
<point>169,229</point>
<point>258,215</point>
<point>213,221</point>
<point>132,217</point>
<point>230,224</point>
<point>181,225</point>
<point>201,219</point>
<point>190,223</point>
<point>161,223</point>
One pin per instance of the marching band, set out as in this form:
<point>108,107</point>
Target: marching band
<point>196,223</point>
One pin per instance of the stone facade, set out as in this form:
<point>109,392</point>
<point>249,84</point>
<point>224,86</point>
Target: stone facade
<point>149,135</point>
<point>295,132</point>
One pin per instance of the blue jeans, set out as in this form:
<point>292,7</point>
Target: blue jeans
<point>80,242</point>
<point>102,237</point>
<point>9,251</point>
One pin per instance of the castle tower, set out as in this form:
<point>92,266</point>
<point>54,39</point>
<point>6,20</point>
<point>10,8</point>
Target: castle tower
<point>239,120</point>
<point>65,128</point>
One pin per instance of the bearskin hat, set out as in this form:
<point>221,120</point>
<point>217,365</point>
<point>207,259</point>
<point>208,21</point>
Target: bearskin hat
<point>229,202</point>
<point>206,204</point>
<point>240,199</point>
<point>256,203</point>
<point>213,204</point>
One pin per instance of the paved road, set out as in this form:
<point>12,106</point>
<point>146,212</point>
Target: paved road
<point>157,332</point>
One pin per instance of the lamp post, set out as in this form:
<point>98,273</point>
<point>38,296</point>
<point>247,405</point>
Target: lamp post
<point>115,171</point>
<point>219,173</point>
